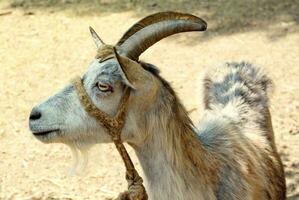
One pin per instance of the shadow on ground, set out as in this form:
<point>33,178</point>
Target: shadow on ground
<point>279,17</point>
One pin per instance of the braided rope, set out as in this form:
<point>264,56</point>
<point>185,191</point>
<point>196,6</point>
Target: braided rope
<point>113,126</point>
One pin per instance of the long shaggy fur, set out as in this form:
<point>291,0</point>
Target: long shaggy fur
<point>236,98</point>
<point>231,155</point>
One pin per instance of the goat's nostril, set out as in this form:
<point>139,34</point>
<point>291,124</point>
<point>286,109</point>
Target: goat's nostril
<point>35,114</point>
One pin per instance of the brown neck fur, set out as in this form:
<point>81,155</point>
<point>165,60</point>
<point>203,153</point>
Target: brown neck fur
<point>178,140</point>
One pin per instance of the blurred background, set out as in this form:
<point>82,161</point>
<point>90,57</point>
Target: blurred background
<point>44,43</point>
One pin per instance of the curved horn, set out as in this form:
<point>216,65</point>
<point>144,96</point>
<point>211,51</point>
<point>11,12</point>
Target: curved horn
<point>155,27</point>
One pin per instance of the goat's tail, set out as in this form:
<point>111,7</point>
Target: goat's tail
<point>238,91</point>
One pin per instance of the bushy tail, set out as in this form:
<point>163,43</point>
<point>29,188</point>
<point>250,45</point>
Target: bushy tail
<point>239,91</point>
<point>237,124</point>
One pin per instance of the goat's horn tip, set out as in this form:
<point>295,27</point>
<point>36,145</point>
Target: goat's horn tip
<point>205,25</point>
<point>91,29</point>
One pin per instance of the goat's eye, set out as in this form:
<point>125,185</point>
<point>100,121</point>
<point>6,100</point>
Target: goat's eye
<point>103,87</point>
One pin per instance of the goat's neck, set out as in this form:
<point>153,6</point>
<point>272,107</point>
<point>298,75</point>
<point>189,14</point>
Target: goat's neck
<point>175,163</point>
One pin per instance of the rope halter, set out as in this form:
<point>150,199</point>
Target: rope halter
<point>113,126</point>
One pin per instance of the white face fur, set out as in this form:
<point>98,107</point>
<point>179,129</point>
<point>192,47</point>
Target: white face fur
<point>62,118</point>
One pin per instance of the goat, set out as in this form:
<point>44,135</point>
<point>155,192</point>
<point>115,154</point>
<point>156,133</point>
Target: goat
<point>231,154</point>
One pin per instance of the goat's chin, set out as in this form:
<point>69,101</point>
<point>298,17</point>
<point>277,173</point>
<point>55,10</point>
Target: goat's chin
<point>79,149</point>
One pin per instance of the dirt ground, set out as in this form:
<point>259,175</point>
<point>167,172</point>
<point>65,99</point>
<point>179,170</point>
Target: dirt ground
<point>42,48</point>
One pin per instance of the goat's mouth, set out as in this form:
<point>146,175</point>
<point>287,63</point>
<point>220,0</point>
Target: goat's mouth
<point>44,133</point>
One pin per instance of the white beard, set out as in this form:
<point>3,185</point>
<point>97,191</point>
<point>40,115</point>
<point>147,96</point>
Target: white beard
<point>80,159</point>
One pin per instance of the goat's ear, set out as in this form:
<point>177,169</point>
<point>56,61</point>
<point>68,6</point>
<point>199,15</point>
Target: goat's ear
<point>133,72</point>
<point>97,40</point>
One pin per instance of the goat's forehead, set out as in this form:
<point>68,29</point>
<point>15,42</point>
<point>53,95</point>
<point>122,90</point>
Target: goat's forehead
<point>107,66</point>
<point>105,69</point>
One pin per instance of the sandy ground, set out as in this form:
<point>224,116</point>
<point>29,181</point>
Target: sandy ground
<point>40,52</point>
